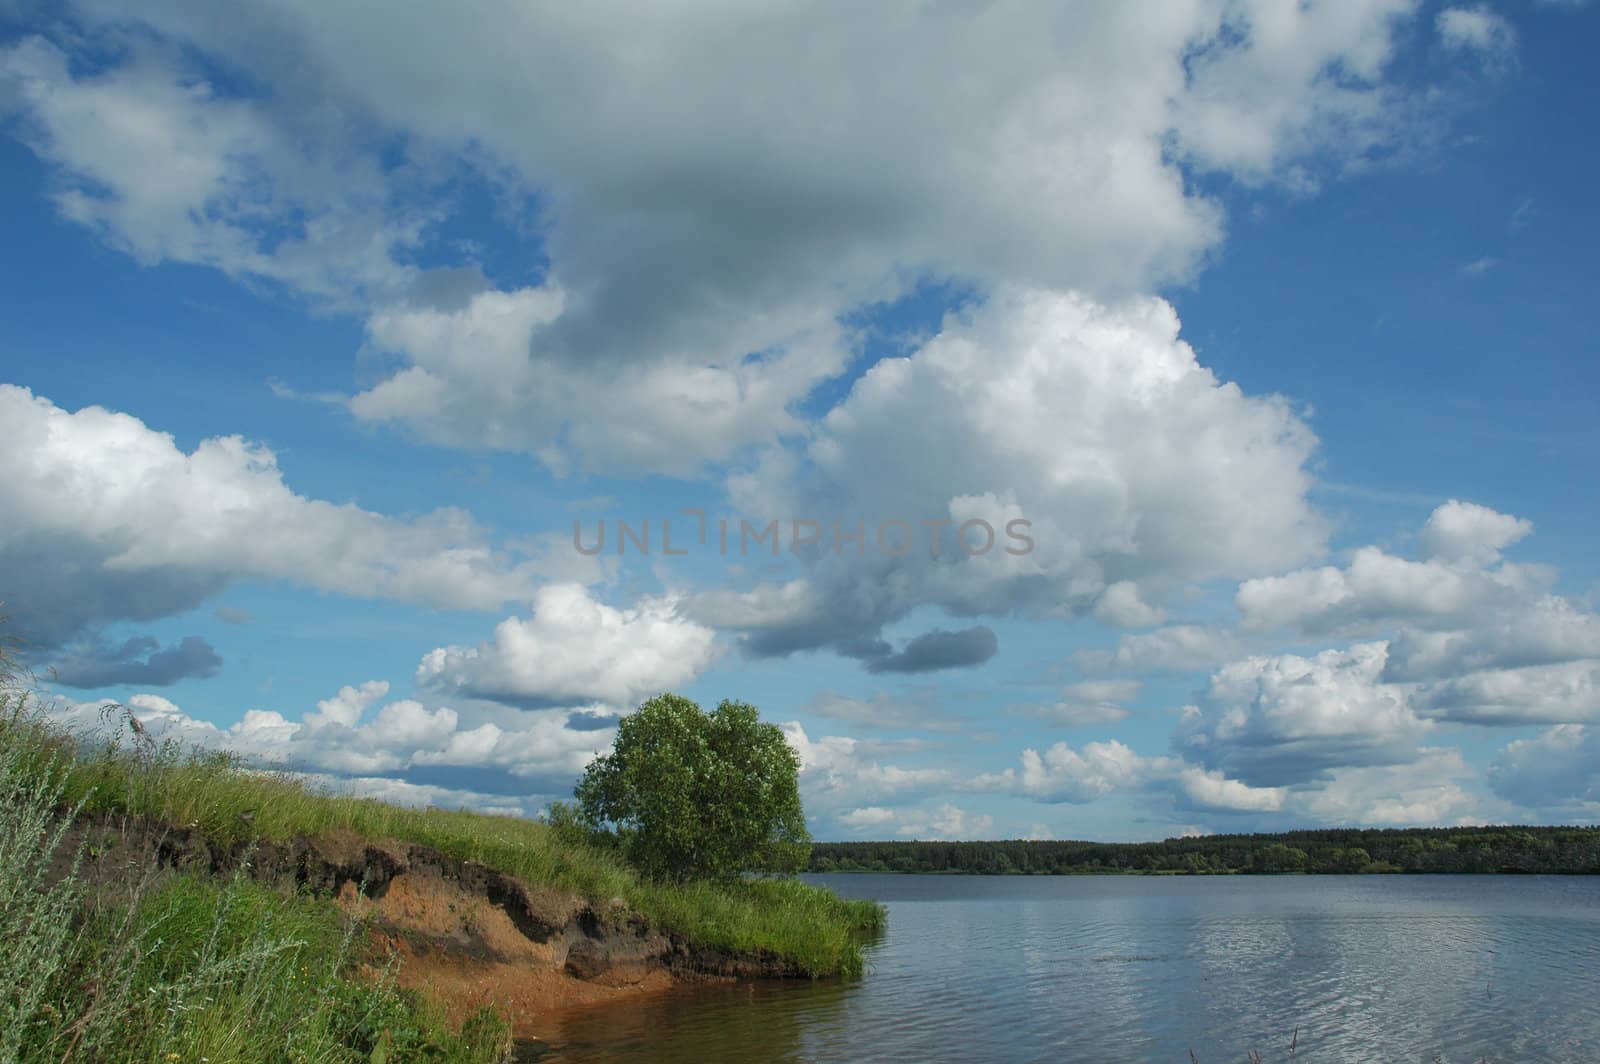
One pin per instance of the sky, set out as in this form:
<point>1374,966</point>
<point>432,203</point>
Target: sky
<point>1091,421</point>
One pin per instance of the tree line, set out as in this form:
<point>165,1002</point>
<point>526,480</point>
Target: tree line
<point>1514,849</point>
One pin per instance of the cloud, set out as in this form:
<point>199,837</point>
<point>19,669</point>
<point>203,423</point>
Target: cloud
<point>1556,774</point>
<point>1479,267</point>
<point>1467,532</point>
<point>476,375</point>
<point>1094,423</point>
<point>1478,30</point>
<point>1175,648</point>
<point>917,711</point>
<point>1431,789</point>
<point>140,660</point>
<point>157,161</point>
<point>1461,609</point>
<point>109,520</point>
<point>355,739</point>
<point>839,771</point>
<point>1090,702</point>
<point>939,649</point>
<point>1277,720</point>
<point>1063,773</point>
<point>1545,630</point>
<point>574,648</point>
<point>694,248</point>
<point>1537,694</point>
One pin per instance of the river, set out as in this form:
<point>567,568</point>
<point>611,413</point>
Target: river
<point>1453,969</point>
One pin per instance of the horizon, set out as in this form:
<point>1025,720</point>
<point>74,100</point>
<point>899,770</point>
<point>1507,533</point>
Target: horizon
<point>1177,425</point>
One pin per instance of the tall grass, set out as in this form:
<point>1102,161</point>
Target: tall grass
<point>171,967</point>
<point>814,930</point>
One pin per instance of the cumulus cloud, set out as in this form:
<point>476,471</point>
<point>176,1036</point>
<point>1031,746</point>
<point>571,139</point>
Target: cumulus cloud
<point>1285,719</point>
<point>1094,423</point>
<point>401,747</point>
<point>1467,532</point>
<point>141,660</point>
<point>109,520</point>
<point>1556,773</point>
<point>477,374</point>
<point>166,168</point>
<point>1432,788</point>
<point>696,251</point>
<point>1063,773</point>
<point>840,771</point>
<point>1462,608</point>
<point>574,648</point>
<point>1539,694</point>
<point>945,821</point>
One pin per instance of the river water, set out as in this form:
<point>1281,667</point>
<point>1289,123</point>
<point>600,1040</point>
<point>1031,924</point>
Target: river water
<point>1453,969</point>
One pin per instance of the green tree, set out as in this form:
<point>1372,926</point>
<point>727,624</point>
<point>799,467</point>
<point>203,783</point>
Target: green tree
<point>689,794</point>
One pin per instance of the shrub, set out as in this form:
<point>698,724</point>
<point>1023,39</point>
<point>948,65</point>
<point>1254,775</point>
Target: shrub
<point>690,794</point>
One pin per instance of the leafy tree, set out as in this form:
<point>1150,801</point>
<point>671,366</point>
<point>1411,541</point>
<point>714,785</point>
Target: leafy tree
<point>688,794</point>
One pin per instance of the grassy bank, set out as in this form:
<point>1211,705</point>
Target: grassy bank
<point>146,964</point>
<point>192,933</point>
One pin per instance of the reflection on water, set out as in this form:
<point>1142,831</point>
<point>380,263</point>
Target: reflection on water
<point>1451,969</point>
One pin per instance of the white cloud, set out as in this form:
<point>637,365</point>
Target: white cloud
<point>1095,423</point>
<point>1538,694</point>
<point>168,169</point>
<point>108,519</point>
<point>947,822</point>
<point>1461,609</point>
<point>1556,774</point>
<point>1175,648</point>
<point>1288,719</point>
<point>1467,532</point>
<point>836,770</point>
<point>1431,789</point>
<point>701,244</point>
<point>1064,774</point>
<point>477,374</point>
<point>1088,702</point>
<point>404,748</point>
<point>574,648</point>
<point>1213,790</point>
<point>1476,29</point>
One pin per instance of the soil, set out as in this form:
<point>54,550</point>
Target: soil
<point>461,933</point>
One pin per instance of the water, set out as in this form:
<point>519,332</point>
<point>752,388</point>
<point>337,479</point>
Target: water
<point>1453,969</point>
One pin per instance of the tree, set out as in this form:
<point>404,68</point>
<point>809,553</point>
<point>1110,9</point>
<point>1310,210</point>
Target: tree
<point>689,794</point>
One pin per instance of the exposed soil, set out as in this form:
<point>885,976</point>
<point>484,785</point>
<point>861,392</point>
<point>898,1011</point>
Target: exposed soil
<point>458,931</point>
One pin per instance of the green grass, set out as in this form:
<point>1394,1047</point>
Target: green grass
<point>153,966</point>
<point>812,928</point>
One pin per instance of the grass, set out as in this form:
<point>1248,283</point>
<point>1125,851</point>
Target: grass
<point>812,928</point>
<point>167,967</point>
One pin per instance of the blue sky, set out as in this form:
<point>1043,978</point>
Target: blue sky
<point>1268,319</point>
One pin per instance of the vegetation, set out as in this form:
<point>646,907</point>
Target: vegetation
<point>172,967</point>
<point>1334,850</point>
<point>687,795</point>
<point>812,927</point>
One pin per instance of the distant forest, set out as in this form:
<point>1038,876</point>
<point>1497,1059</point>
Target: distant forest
<point>1336,850</point>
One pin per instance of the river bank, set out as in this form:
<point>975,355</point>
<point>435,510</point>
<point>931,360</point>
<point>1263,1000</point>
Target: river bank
<point>476,919</point>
